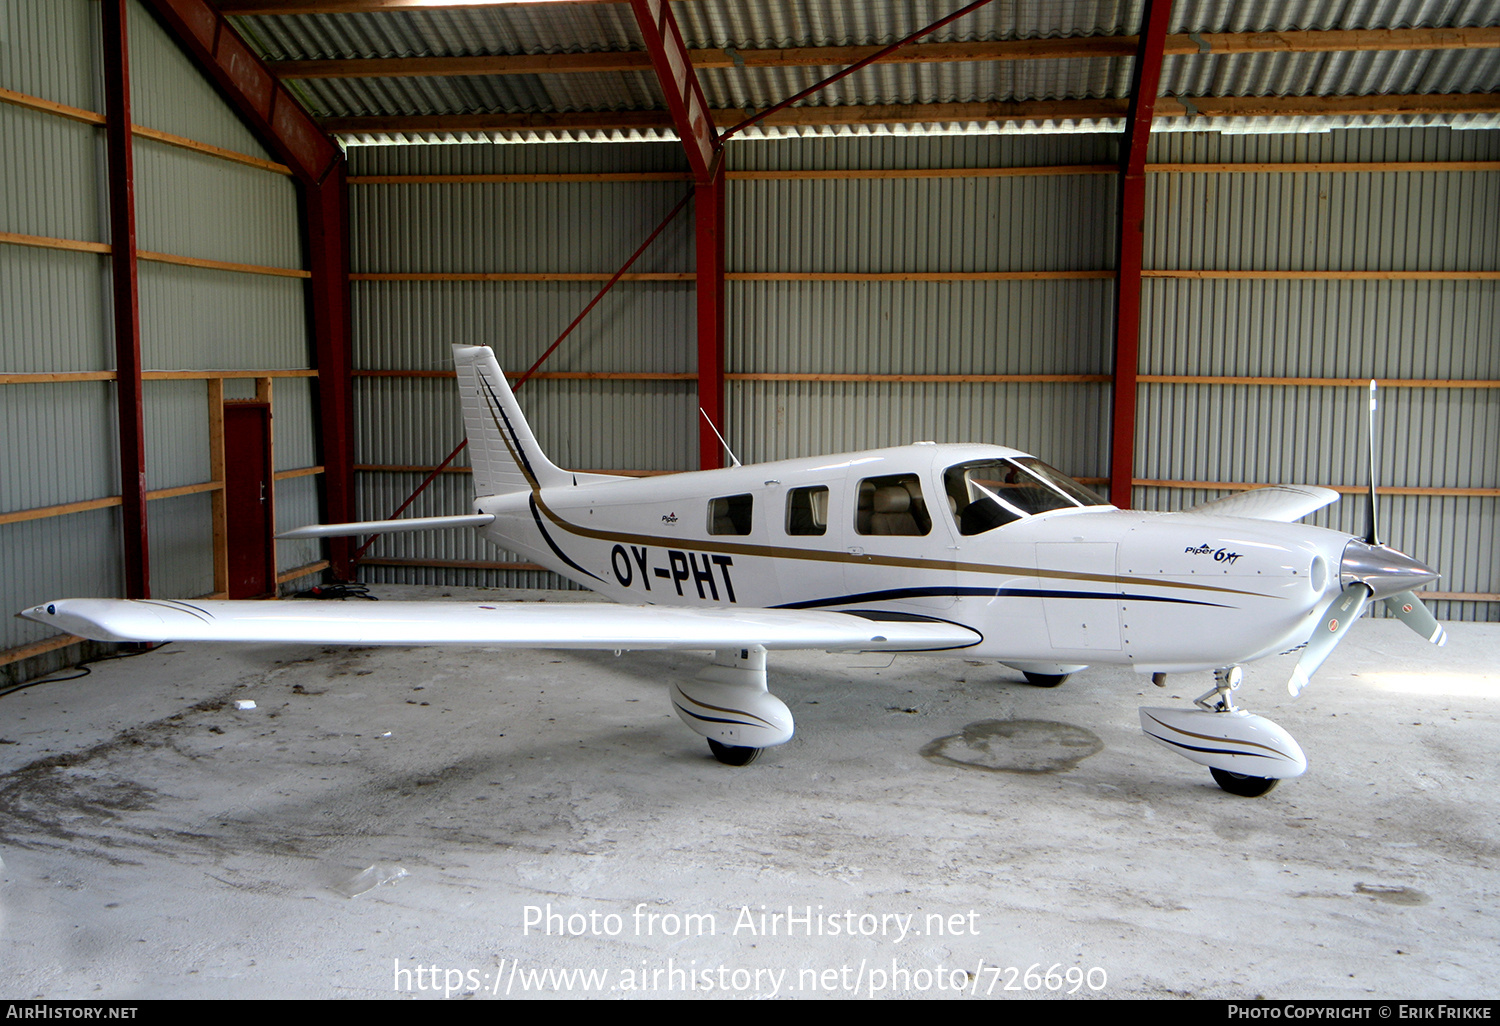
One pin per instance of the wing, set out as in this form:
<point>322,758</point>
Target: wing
<point>1278,502</point>
<point>575,625</point>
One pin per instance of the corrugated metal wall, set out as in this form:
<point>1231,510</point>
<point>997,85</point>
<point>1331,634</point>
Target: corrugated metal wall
<point>60,438</point>
<point>502,227</point>
<point>1265,221</point>
<point>1390,220</point>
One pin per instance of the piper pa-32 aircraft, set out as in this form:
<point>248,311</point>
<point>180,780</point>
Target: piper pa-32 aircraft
<point>922,548</point>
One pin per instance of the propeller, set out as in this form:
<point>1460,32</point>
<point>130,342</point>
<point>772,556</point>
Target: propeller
<point>1376,571</point>
<point>1330,631</point>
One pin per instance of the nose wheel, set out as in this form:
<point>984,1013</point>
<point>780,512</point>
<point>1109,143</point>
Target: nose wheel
<point>733,755</point>
<point>1240,784</point>
<point>1247,754</point>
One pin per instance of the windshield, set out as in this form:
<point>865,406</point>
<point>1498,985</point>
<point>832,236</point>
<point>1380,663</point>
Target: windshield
<point>986,494</point>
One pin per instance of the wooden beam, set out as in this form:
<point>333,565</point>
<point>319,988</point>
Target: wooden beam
<point>552,375</point>
<point>218,509</point>
<point>520,276</point>
<point>452,564</point>
<point>302,571</point>
<point>272,112</point>
<point>180,490</point>
<point>1190,379</point>
<point>527,179</point>
<point>1243,486</point>
<point>63,509</point>
<point>1327,275</point>
<point>846,174</point>
<point>208,375</point>
<point>287,475</point>
<point>932,379</point>
<point>937,113</point>
<point>1306,106</point>
<point>36,648</point>
<point>58,377</point>
<point>1074,47</point>
<point>233,156</point>
<point>222,265</point>
<point>61,110</point>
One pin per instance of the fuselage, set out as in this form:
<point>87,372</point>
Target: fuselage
<point>900,530</point>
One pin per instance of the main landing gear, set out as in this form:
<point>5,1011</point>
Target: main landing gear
<point>1247,754</point>
<point>728,703</point>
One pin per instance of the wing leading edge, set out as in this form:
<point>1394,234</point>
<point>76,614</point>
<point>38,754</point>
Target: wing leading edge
<point>1278,502</point>
<point>577,625</point>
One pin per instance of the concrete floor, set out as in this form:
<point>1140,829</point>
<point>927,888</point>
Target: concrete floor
<point>157,842</point>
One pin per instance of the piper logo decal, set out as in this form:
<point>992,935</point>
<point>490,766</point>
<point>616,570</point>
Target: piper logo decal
<point>1220,555</point>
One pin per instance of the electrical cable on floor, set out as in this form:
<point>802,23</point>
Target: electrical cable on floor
<point>84,666</point>
<point>337,591</point>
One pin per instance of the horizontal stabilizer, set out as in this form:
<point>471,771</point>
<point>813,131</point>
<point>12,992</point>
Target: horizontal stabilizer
<point>388,526</point>
<point>575,625</point>
<point>1277,502</point>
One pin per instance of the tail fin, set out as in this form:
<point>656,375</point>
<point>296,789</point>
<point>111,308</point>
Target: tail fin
<point>503,450</point>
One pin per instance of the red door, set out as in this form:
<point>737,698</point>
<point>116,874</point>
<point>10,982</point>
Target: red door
<point>247,498</point>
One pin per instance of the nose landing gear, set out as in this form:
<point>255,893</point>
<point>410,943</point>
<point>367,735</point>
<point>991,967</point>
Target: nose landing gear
<point>1247,754</point>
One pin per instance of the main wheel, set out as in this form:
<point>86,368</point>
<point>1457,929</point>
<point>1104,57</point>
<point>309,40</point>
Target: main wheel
<point>1044,680</point>
<point>733,755</point>
<point>1242,785</point>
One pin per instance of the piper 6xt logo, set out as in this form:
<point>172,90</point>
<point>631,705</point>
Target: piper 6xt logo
<point>1220,555</point>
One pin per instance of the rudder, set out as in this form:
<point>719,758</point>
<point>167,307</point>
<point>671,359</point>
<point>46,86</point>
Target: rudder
<point>504,452</point>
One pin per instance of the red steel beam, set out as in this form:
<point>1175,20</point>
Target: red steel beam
<point>1145,79</point>
<point>679,83</point>
<point>318,165</point>
<point>708,208</point>
<point>126,299</point>
<point>326,208</point>
<point>694,123</point>
<point>248,84</point>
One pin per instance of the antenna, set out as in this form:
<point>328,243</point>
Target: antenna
<point>1372,517</point>
<point>735,459</point>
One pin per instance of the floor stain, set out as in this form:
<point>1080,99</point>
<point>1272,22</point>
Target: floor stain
<point>1393,895</point>
<point>1015,746</point>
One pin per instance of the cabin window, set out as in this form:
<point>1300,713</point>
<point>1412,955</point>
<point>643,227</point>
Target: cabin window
<point>892,506</point>
<point>729,515</point>
<point>807,511</point>
<point>986,494</point>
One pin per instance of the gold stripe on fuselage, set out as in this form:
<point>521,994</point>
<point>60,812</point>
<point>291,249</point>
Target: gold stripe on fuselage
<point>825,556</point>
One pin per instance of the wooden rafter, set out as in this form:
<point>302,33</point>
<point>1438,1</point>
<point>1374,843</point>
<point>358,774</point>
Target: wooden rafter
<point>930,113</point>
<point>1077,47</point>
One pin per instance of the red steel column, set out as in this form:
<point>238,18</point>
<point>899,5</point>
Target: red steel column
<point>691,118</point>
<point>126,300</point>
<point>290,133</point>
<point>327,213</point>
<point>1145,80</point>
<point>708,210</point>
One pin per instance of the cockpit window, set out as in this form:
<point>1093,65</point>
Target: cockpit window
<point>986,494</point>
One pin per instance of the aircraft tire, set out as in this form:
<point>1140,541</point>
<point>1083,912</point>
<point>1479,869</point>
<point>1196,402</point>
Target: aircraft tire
<point>1242,785</point>
<point>1045,680</point>
<point>733,755</point>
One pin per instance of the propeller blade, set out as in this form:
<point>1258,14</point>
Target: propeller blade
<point>1330,631</point>
<point>1409,609</point>
<point>1372,515</point>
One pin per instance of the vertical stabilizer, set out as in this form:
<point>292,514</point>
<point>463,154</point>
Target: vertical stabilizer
<point>502,449</point>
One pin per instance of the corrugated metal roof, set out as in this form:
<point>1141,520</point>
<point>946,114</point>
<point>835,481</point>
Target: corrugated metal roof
<point>743,25</point>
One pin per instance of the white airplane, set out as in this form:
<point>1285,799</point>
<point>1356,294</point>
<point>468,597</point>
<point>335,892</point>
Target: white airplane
<point>922,548</point>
